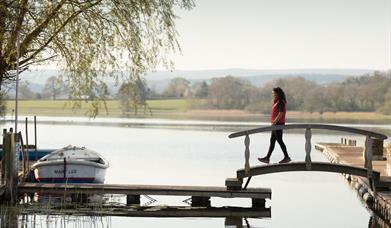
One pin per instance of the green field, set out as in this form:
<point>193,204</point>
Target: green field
<point>65,108</point>
<point>177,108</point>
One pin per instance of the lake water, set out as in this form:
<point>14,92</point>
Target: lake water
<point>152,154</point>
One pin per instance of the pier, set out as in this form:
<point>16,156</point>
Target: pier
<point>377,199</point>
<point>16,190</point>
<point>200,195</point>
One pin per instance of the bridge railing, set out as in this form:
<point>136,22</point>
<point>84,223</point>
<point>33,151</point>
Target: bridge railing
<point>368,153</point>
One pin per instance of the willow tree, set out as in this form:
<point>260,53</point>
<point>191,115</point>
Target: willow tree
<point>89,39</point>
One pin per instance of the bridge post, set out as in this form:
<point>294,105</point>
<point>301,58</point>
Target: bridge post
<point>368,151</point>
<point>247,154</point>
<point>308,135</point>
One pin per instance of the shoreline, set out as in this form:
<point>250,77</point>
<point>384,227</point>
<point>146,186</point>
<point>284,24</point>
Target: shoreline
<point>181,109</point>
<point>229,115</point>
<point>183,124</point>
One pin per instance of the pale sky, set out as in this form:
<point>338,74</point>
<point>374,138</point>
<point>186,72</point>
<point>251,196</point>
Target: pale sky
<point>285,34</point>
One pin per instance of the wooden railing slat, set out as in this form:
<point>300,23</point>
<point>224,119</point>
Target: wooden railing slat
<point>247,154</point>
<point>308,148</point>
<point>312,126</point>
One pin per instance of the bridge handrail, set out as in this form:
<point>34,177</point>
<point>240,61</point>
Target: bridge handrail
<point>368,151</point>
<point>310,126</point>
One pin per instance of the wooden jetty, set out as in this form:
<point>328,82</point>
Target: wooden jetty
<point>200,195</point>
<point>377,199</point>
<point>13,188</point>
<point>200,200</point>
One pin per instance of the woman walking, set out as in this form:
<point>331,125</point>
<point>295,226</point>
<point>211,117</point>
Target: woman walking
<point>277,118</point>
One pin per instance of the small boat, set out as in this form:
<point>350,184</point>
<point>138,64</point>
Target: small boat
<point>71,164</point>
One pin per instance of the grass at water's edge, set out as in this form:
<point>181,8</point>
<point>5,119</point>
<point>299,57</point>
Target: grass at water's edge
<point>177,108</point>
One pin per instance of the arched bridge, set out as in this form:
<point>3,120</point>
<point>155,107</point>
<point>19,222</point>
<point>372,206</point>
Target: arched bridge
<point>301,166</point>
<point>307,164</point>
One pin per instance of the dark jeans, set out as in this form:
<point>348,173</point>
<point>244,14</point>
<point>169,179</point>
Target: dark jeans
<point>277,136</point>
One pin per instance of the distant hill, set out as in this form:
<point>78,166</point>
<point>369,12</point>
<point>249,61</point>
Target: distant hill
<point>197,74</point>
<point>159,80</point>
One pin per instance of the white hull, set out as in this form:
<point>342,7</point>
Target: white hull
<point>80,165</point>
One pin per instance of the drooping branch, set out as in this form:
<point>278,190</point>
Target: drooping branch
<point>35,32</point>
<point>55,33</point>
<point>21,12</point>
<point>93,39</point>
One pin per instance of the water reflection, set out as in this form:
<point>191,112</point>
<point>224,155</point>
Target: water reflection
<point>99,211</point>
<point>11,219</point>
<point>206,158</point>
<point>25,218</point>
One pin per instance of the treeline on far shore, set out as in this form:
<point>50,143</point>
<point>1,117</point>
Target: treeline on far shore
<point>367,93</point>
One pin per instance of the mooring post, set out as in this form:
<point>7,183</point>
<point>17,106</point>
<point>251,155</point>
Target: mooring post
<point>233,183</point>
<point>10,165</point>
<point>369,153</point>
<point>247,154</point>
<point>15,145</point>
<point>8,152</point>
<point>132,199</point>
<point>236,222</point>
<point>35,137</point>
<point>308,135</point>
<point>23,151</point>
<point>65,169</point>
<point>4,156</point>
<point>258,203</point>
<point>199,201</point>
<point>27,144</point>
<point>8,173</point>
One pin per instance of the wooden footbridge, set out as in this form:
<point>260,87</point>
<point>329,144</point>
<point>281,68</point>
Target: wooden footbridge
<point>307,165</point>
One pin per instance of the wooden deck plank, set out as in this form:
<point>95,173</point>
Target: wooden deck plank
<point>202,191</point>
<point>353,155</point>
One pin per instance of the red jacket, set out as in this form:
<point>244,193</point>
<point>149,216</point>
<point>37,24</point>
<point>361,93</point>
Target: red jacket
<point>275,111</point>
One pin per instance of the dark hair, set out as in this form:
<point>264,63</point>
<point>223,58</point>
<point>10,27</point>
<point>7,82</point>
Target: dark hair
<point>280,93</point>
